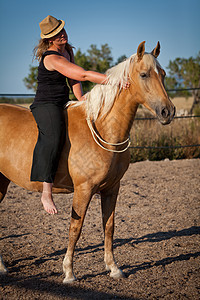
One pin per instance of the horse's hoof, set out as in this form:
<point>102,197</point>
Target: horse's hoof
<point>69,280</point>
<point>117,274</point>
<point>3,269</point>
<point>107,268</point>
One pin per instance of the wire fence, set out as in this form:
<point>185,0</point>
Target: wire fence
<point>164,147</point>
<point>177,117</point>
<point>33,95</point>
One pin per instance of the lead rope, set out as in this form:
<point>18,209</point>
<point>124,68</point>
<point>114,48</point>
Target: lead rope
<point>94,135</point>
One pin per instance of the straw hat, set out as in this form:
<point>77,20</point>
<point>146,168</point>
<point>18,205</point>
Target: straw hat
<point>50,26</point>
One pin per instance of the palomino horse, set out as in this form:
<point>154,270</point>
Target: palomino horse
<point>95,156</point>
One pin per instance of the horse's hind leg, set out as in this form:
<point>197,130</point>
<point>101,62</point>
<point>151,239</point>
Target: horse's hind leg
<point>108,202</point>
<point>4,182</point>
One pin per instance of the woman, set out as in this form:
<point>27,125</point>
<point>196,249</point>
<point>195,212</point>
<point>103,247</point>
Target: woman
<point>56,64</point>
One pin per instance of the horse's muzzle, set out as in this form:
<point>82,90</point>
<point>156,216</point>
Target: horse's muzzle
<point>165,115</point>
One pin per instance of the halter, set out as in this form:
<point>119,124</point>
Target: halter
<point>96,136</point>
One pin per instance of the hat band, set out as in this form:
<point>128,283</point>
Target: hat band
<point>53,29</point>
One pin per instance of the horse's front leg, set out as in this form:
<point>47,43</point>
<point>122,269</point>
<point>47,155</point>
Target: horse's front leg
<point>81,199</point>
<point>108,202</point>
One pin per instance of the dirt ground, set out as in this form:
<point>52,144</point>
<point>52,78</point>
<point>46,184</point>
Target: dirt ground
<point>156,240</point>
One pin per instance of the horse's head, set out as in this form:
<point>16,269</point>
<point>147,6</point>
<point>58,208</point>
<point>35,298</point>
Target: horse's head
<point>148,80</point>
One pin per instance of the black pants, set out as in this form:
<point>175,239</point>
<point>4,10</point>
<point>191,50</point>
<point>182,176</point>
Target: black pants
<point>51,138</point>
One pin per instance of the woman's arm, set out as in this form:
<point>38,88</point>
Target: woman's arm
<point>71,70</point>
<point>77,89</point>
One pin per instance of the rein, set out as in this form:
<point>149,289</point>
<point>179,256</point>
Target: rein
<point>96,136</point>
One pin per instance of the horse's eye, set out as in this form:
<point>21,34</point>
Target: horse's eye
<point>143,75</point>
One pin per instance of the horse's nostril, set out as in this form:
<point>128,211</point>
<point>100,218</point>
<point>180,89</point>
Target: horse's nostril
<point>165,112</point>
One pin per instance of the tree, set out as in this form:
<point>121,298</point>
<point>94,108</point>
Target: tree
<point>121,59</point>
<point>100,59</point>
<point>185,73</point>
<point>31,80</point>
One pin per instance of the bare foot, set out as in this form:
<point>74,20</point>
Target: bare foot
<point>48,203</point>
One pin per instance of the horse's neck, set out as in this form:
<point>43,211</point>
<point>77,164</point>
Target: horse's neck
<point>116,125</point>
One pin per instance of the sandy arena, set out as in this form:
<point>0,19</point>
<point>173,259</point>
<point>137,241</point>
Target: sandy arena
<point>156,241</point>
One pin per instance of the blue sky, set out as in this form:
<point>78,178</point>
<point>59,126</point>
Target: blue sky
<point>123,24</point>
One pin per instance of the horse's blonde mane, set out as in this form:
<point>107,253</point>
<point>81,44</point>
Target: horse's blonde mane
<point>102,96</point>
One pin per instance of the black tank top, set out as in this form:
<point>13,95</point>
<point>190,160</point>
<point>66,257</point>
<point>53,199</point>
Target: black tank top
<point>52,86</point>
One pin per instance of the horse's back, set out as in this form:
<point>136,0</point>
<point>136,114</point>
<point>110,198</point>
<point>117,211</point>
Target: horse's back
<point>18,134</point>
<point>11,112</point>
<point>16,123</point>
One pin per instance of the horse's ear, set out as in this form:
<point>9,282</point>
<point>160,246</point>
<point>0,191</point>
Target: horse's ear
<point>156,51</point>
<point>140,50</point>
